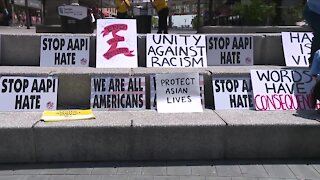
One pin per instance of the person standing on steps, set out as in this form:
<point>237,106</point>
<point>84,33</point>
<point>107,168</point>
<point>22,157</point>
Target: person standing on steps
<point>312,16</point>
<point>122,7</point>
<point>162,9</point>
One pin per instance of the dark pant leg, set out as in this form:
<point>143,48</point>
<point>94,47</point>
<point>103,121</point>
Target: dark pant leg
<point>122,15</point>
<point>163,20</point>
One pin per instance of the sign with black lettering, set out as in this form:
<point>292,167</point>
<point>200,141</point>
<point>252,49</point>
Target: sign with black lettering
<point>232,93</point>
<point>116,43</point>
<point>28,93</point>
<point>63,51</point>
<point>176,50</point>
<point>296,48</point>
<point>284,89</point>
<point>230,50</point>
<point>118,93</point>
<point>178,93</point>
<point>153,89</point>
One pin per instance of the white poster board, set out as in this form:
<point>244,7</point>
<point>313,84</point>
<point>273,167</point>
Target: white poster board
<point>153,89</point>
<point>285,89</point>
<point>64,51</point>
<point>296,48</point>
<point>177,93</point>
<point>232,93</point>
<point>28,93</point>
<point>176,50</point>
<point>116,43</point>
<point>77,12</point>
<point>118,93</point>
<point>230,50</point>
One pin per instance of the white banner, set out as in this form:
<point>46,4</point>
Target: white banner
<point>116,43</point>
<point>28,93</point>
<point>230,50</point>
<point>118,93</point>
<point>285,89</point>
<point>176,50</point>
<point>296,48</point>
<point>178,93</point>
<point>64,51</point>
<point>232,93</point>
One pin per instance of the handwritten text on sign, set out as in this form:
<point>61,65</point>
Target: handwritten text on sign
<point>232,93</point>
<point>297,47</point>
<point>178,93</point>
<point>28,93</point>
<point>173,50</point>
<point>116,43</point>
<point>64,51</point>
<point>283,89</point>
<point>117,93</point>
<point>230,50</point>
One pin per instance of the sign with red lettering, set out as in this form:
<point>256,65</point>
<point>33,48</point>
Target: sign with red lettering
<point>64,51</point>
<point>296,48</point>
<point>116,43</point>
<point>284,89</point>
<point>28,93</point>
<point>230,50</point>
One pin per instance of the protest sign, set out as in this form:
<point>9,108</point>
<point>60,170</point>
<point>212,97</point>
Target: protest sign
<point>232,93</point>
<point>176,50</point>
<point>230,50</point>
<point>118,93</point>
<point>67,115</point>
<point>285,89</point>
<point>296,48</point>
<point>28,93</point>
<point>116,43</point>
<point>60,51</point>
<point>153,94</point>
<point>178,93</point>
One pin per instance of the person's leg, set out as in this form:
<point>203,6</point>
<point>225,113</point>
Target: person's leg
<point>160,22</point>
<point>165,20</point>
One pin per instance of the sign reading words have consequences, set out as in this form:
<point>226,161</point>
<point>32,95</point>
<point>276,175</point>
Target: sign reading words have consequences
<point>283,89</point>
<point>116,43</point>
<point>118,93</point>
<point>297,47</point>
<point>232,93</point>
<point>176,50</point>
<point>178,93</point>
<point>28,93</point>
<point>235,50</point>
<point>64,51</point>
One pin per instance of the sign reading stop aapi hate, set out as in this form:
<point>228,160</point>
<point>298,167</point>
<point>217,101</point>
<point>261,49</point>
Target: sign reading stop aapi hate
<point>230,50</point>
<point>176,50</point>
<point>28,93</point>
<point>285,89</point>
<point>64,51</point>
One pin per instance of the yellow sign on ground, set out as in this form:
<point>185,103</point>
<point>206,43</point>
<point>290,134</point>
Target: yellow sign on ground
<point>66,115</point>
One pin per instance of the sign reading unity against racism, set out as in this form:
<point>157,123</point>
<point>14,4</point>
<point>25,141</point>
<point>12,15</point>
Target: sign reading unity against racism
<point>296,48</point>
<point>61,51</point>
<point>176,50</point>
<point>118,93</point>
<point>153,89</point>
<point>285,89</point>
<point>28,93</point>
<point>178,93</point>
<point>116,43</point>
<point>232,93</point>
<point>234,50</point>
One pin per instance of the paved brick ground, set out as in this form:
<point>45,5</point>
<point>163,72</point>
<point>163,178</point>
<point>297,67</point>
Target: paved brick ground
<point>173,170</point>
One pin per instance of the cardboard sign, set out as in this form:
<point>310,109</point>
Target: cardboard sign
<point>76,12</point>
<point>28,93</point>
<point>178,93</point>
<point>153,89</point>
<point>116,43</point>
<point>285,89</point>
<point>296,48</point>
<point>64,51</point>
<point>231,50</point>
<point>232,93</point>
<point>176,50</point>
<point>118,93</point>
<point>67,115</point>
